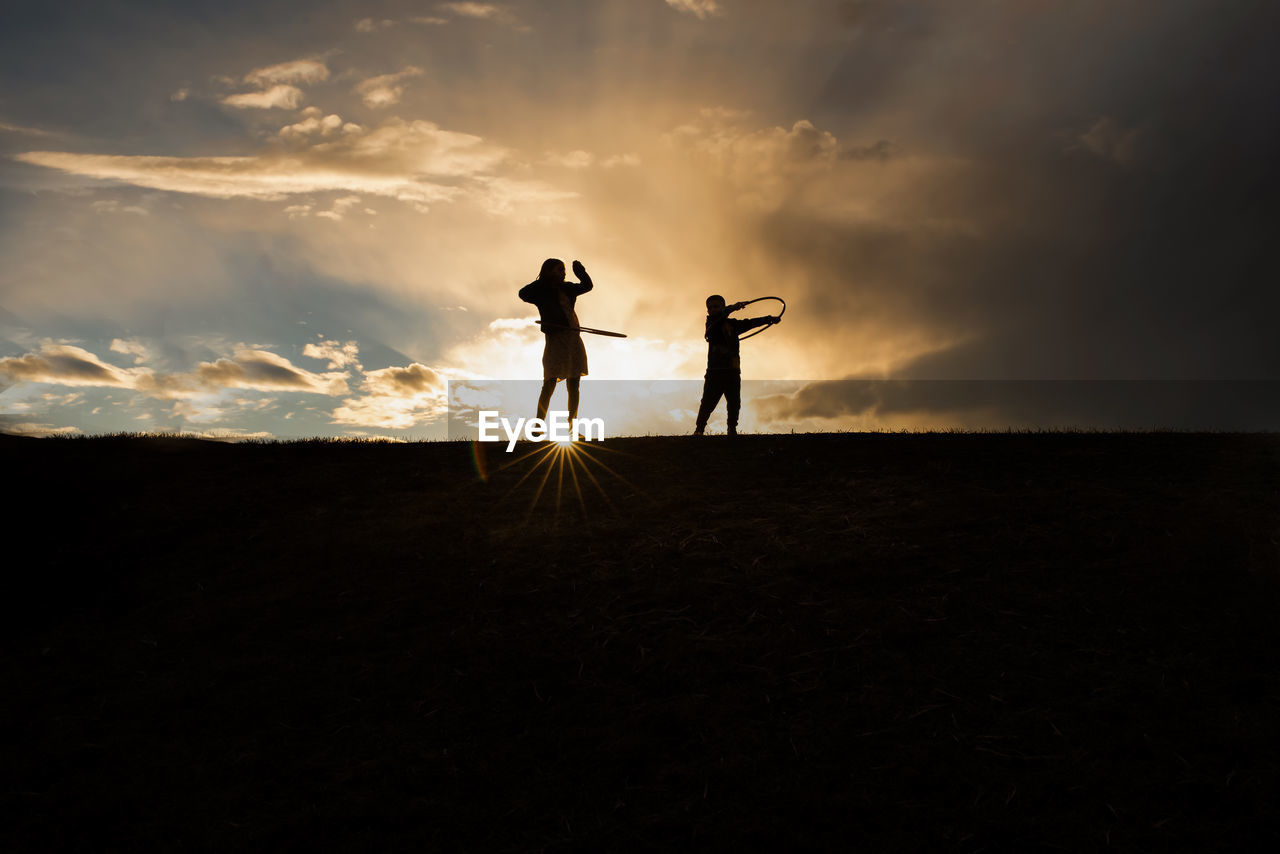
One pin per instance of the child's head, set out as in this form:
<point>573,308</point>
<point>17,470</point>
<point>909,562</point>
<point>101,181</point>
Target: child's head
<point>715,303</point>
<point>552,271</point>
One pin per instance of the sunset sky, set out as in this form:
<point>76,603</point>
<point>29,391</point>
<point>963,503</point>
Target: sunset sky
<point>285,219</point>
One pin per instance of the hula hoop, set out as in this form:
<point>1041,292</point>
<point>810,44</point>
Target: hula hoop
<point>763,328</point>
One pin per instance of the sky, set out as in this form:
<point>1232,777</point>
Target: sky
<point>284,219</point>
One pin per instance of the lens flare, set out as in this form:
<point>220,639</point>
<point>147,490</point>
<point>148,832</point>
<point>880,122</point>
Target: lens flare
<point>574,469</point>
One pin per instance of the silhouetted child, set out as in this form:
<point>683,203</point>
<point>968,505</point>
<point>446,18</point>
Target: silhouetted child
<point>724,368</point>
<point>563,354</point>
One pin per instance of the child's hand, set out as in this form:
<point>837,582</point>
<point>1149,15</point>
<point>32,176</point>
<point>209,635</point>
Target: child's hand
<point>774,319</point>
<point>737,306</point>
<point>578,269</point>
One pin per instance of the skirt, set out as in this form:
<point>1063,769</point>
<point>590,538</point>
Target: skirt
<point>564,355</point>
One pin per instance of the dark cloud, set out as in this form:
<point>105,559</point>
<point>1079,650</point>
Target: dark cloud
<point>881,149</point>
<point>65,365</point>
<point>805,142</point>
<point>413,379</point>
<point>1104,203</point>
<point>1083,404</point>
<point>248,372</point>
<point>259,369</point>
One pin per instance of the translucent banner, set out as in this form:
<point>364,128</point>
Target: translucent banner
<point>671,407</point>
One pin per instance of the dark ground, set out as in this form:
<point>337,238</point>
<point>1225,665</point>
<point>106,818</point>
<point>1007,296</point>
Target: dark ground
<point>907,642</point>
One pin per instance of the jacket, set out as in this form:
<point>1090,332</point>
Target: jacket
<point>722,339</point>
<point>555,302</point>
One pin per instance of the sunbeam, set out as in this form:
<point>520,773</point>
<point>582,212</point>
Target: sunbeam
<point>579,459</point>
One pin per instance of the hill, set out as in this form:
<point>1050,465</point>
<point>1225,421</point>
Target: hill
<point>1004,641</point>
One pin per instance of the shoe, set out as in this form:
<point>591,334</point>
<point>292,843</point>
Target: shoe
<point>697,431</point>
<point>733,431</point>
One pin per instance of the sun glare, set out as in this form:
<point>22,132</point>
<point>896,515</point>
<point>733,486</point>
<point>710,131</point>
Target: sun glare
<point>566,473</point>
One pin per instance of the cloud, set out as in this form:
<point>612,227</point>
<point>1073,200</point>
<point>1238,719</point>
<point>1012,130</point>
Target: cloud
<point>762,165</point>
<point>24,130</point>
<point>338,208</point>
<point>263,370</point>
<point>386,89</point>
<point>396,398</point>
<point>423,147</point>
<point>338,354</point>
<point>132,347</point>
<point>280,96</point>
<point>30,428</point>
<point>1052,218</point>
<point>702,9</point>
<point>298,71</point>
<point>414,379</point>
<point>215,406</point>
<point>369,25</point>
<point>260,177</point>
<point>277,84</point>
<point>1108,140</point>
<point>616,160</point>
<point>472,10</point>
<point>69,365</point>
<point>316,125</point>
<point>837,398</point>
<point>416,162</point>
<point>986,404</point>
<point>880,150</point>
<point>577,159</point>
<point>73,399</point>
<point>247,368</point>
<point>722,134</point>
<point>113,206</point>
<point>483,12</point>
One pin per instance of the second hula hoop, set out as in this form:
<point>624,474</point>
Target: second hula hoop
<point>763,328</point>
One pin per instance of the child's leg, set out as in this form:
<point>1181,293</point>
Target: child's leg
<point>544,399</point>
<point>733,399</point>
<point>712,390</point>
<point>572,384</point>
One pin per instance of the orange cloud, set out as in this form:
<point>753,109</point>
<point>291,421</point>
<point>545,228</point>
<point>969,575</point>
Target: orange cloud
<point>701,9</point>
<point>385,89</point>
<point>396,398</point>
<point>299,71</point>
<point>393,159</point>
<point>282,97</point>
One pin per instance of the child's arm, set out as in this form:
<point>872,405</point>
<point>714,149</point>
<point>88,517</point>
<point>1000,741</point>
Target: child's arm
<point>741,326</point>
<point>584,281</point>
<point>717,316</point>
<point>530,292</point>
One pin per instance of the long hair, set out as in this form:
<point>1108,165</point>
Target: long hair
<point>547,266</point>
